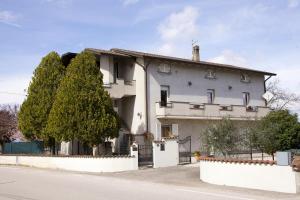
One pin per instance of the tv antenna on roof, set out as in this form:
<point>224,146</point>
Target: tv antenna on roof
<point>194,42</point>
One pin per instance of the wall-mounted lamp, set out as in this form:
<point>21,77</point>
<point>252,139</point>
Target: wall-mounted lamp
<point>139,114</point>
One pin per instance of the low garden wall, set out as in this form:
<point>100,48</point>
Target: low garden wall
<point>73,163</point>
<point>165,153</point>
<point>263,175</point>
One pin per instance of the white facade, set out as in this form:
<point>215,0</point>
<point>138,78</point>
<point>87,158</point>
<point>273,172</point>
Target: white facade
<point>187,86</point>
<point>197,93</point>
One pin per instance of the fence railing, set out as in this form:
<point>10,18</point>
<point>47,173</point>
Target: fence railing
<point>34,147</point>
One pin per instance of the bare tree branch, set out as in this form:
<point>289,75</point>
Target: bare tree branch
<point>8,122</point>
<point>282,97</point>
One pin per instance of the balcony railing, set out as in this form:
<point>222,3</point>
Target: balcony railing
<point>120,89</point>
<point>186,110</point>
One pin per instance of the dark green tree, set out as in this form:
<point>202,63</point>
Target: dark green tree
<point>34,112</point>
<point>83,109</point>
<point>279,131</point>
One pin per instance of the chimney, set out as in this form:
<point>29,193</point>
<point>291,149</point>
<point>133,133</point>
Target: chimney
<point>196,54</point>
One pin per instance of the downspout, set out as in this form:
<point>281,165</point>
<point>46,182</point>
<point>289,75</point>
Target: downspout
<point>265,88</point>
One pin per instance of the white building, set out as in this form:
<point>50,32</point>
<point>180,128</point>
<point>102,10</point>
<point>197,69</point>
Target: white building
<point>160,96</point>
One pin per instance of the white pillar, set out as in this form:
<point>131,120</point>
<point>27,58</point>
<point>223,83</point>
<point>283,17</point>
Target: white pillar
<point>134,150</point>
<point>95,150</point>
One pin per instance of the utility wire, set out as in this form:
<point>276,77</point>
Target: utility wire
<point>13,93</point>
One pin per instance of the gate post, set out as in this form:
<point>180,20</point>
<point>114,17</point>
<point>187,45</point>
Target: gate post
<point>134,150</point>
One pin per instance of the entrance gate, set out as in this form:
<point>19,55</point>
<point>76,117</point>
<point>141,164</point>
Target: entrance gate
<point>145,154</point>
<point>184,147</point>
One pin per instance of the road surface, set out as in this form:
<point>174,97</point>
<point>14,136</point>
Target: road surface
<point>24,183</point>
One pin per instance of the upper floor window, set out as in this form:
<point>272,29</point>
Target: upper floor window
<point>164,68</point>
<point>246,98</point>
<point>116,72</point>
<point>164,95</point>
<point>210,96</point>
<point>245,78</point>
<point>211,74</point>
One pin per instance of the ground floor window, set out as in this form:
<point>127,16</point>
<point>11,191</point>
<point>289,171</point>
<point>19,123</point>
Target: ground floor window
<point>166,130</point>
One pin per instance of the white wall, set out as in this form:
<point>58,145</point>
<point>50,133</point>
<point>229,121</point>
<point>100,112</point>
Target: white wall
<point>133,104</point>
<point>82,164</point>
<point>138,125</point>
<point>195,128</point>
<point>168,157</point>
<point>105,68</point>
<point>196,93</point>
<point>254,176</point>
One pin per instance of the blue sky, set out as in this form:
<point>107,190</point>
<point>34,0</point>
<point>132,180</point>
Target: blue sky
<point>261,34</point>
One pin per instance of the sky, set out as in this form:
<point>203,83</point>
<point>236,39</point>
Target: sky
<point>260,34</point>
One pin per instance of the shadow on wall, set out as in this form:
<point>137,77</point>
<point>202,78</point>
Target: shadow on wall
<point>144,137</point>
<point>126,113</point>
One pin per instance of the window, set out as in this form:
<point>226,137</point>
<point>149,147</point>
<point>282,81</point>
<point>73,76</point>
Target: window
<point>164,95</point>
<point>211,74</point>
<point>246,98</point>
<point>245,78</point>
<point>166,130</point>
<point>164,68</point>
<point>162,147</point>
<point>210,96</point>
<point>116,71</point>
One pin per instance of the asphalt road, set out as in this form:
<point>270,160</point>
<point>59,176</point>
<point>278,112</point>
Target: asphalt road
<point>24,183</point>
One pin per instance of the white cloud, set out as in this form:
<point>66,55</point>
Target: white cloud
<point>9,18</point>
<point>178,30</point>
<point>12,88</point>
<point>289,78</point>
<point>229,57</point>
<point>179,24</point>
<point>293,3</point>
<point>129,2</point>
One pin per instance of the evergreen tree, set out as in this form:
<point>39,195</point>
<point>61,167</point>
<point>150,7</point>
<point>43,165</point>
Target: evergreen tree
<point>83,109</point>
<point>34,112</point>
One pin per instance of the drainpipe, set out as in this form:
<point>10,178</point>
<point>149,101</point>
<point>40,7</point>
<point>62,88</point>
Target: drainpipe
<point>265,88</point>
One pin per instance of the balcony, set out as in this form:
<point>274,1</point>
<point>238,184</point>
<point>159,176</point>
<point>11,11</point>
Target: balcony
<point>120,89</point>
<point>185,110</point>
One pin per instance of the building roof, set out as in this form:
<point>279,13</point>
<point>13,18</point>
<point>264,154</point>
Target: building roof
<point>150,55</point>
<point>130,53</point>
<point>108,52</point>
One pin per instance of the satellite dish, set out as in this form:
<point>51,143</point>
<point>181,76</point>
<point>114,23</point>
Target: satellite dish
<point>268,96</point>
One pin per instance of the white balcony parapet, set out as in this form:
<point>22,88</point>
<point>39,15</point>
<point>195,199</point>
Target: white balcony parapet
<point>121,88</point>
<point>186,110</point>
